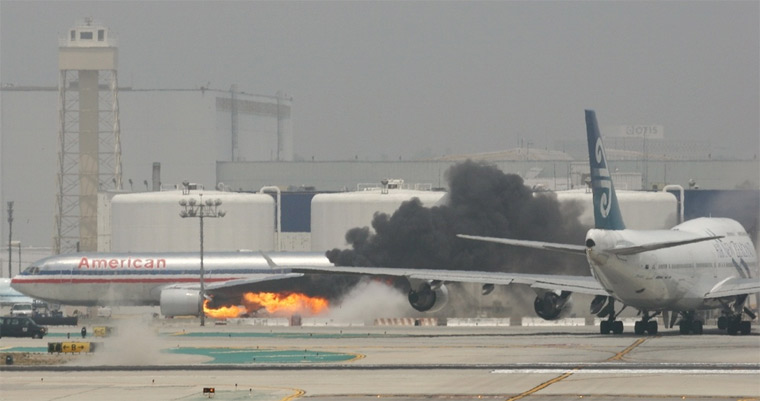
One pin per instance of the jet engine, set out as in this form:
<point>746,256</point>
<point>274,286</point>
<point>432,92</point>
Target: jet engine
<point>551,305</point>
<point>180,302</point>
<point>428,296</point>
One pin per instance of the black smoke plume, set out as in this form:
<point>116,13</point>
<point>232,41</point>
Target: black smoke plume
<point>482,201</point>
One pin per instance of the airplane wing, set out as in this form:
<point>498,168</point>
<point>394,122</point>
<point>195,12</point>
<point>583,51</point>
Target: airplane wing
<point>734,286</point>
<point>579,284</point>
<point>549,246</point>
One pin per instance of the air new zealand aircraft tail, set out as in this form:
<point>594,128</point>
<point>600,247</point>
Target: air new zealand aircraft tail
<point>606,209</point>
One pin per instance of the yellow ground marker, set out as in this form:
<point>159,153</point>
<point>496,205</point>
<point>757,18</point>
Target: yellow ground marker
<point>565,375</point>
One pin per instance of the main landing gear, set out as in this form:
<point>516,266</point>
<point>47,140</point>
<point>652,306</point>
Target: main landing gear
<point>689,324</point>
<point>646,325</point>
<point>611,325</point>
<point>731,318</point>
<point>605,306</point>
<point>734,325</point>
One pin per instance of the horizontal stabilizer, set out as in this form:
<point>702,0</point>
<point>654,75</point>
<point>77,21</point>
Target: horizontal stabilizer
<point>549,246</point>
<point>632,250</point>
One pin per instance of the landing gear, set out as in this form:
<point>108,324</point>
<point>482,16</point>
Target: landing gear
<point>645,325</point>
<point>608,310</point>
<point>689,324</point>
<point>731,320</point>
<point>614,326</point>
<point>734,325</point>
<point>723,322</point>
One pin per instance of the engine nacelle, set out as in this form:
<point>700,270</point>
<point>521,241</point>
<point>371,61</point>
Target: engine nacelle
<point>180,302</point>
<point>428,296</point>
<point>552,306</point>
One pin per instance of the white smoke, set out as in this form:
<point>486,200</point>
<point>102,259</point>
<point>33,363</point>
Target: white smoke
<point>370,300</point>
<point>133,341</point>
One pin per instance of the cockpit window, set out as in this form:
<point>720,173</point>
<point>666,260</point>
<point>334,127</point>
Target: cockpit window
<point>32,270</point>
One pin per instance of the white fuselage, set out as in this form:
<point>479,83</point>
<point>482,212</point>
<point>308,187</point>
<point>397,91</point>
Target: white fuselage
<point>138,279</point>
<point>675,278</point>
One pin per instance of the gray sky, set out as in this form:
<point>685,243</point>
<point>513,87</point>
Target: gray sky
<point>428,78</point>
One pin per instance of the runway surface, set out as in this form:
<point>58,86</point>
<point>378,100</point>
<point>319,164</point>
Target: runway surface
<point>152,361</point>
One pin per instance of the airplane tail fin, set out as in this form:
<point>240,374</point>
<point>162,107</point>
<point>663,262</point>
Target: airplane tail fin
<point>606,208</point>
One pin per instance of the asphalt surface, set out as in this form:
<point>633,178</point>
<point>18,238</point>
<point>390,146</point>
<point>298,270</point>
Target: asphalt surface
<point>161,360</point>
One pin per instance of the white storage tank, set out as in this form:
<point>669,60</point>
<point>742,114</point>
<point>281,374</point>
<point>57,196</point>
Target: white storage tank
<point>151,222</point>
<point>641,210</point>
<point>332,215</point>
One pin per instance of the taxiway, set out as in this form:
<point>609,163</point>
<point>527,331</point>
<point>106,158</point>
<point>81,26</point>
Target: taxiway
<point>400,363</point>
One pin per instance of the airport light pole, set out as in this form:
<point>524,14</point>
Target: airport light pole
<point>18,245</point>
<point>10,236</point>
<point>201,210</point>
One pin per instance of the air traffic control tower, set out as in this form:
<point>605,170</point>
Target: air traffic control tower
<point>89,153</point>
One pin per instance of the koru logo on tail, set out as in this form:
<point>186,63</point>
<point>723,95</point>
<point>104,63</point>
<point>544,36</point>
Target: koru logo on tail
<point>604,180</point>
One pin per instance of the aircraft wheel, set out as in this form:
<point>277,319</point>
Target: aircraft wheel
<point>604,327</point>
<point>617,327</point>
<point>696,327</point>
<point>638,328</point>
<point>732,328</point>
<point>652,327</point>
<point>684,327</point>
<point>722,323</point>
<point>745,327</point>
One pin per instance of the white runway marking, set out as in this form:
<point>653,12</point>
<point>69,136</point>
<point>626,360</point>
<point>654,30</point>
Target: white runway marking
<point>632,371</point>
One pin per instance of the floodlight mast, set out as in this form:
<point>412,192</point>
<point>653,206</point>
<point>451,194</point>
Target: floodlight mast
<point>201,210</point>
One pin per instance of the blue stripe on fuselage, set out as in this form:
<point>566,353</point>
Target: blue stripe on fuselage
<point>108,272</point>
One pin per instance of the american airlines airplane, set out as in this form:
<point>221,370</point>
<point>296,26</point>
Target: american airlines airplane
<point>171,280</point>
<point>699,264</point>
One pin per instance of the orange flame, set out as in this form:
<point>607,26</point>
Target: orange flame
<point>223,312</point>
<point>274,303</point>
<point>285,304</point>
